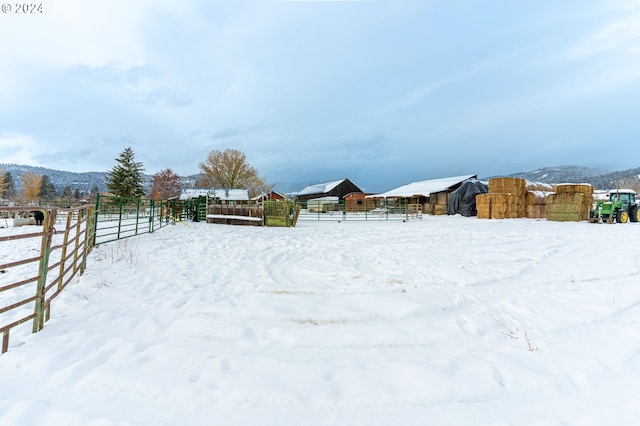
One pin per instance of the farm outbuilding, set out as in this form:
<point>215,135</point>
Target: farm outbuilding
<point>432,196</point>
<point>201,202</point>
<point>270,195</point>
<point>338,188</point>
<point>358,202</point>
<point>232,206</point>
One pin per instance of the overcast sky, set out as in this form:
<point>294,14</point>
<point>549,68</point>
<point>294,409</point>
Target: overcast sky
<point>383,92</point>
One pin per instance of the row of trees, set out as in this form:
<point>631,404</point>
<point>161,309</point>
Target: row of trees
<point>35,187</point>
<point>221,169</point>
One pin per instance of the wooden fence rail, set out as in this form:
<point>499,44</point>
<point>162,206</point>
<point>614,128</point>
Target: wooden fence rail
<point>62,240</point>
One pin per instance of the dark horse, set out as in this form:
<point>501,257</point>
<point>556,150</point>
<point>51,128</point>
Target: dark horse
<point>39,217</point>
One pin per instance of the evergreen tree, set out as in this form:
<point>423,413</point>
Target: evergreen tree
<point>125,178</point>
<point>77,194</point>
<point>8,186</point>
<point>47,189</point>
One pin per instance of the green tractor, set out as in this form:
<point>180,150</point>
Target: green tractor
<point>622,206</point>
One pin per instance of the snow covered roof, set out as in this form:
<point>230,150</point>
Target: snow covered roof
<point>320,199</point>
<point>224,194</point>
<point>320,188</point>
<point>189,193</point>
<point>267,194</point>
<point>423,188</point>
<point>228,194</point>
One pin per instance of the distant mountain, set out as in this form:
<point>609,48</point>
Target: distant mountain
<point>85,182</point>
<point>599,178</point>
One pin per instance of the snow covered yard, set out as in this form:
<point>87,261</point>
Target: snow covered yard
<point>439,321</point>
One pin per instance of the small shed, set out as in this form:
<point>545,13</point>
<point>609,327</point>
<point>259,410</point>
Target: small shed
<point>271,195</point>
<point>323,204</point>
<point>358,202</point>
<point>338,188</point>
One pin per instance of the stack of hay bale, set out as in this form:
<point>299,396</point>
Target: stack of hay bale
<point>438,202</point>
<point>536,199</point>
<point>505,199</point>
<point>570,203</point>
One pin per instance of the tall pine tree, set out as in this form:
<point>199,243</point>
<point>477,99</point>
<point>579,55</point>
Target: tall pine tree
<point>8,186</point>
<point>47,190</point>
<point>125,178</point>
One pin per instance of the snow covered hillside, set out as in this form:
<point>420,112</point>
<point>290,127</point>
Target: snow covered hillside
<point>439,321</point>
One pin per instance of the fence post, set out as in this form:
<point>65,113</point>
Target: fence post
<point>119,216</point>
<point>45,250</point>
<point>63,254</point>
<point>79,217</point>
<point>152,215</point>
<point>89,232</point>
<point>95,222</point>
<point>137,214</point>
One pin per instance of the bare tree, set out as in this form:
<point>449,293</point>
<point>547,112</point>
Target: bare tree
<point>31,183</point>
<point>230,169</point>
<point>165,184</point>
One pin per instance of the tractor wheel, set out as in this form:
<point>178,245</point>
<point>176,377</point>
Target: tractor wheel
<point>634,214</point>
<point>622,216</point>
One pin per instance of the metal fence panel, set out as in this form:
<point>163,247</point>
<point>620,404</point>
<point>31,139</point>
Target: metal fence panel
<point>376,210</point>
<point>119,217</point>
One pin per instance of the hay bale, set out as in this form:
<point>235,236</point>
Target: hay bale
<point>536,211</point>
<point>563,207</point>
<point>507,185</point>
<point>19,221</point>
<point>535,197</point>
<point>499,206</point>
<point>440,209</point>
<point>574,188</point>
<point>539,186</point>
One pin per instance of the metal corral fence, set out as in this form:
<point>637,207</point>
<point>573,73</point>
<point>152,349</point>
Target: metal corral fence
<point>44,249</point>
<point>370,210</point>
<point>119,217</point>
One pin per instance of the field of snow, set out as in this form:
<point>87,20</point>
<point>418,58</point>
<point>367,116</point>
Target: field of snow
<point>439,321</point>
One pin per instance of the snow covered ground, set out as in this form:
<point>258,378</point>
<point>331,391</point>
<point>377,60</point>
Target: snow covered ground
<point>439,321</point>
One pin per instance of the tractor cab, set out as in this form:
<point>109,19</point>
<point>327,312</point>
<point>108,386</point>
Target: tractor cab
<point>625,196</point>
